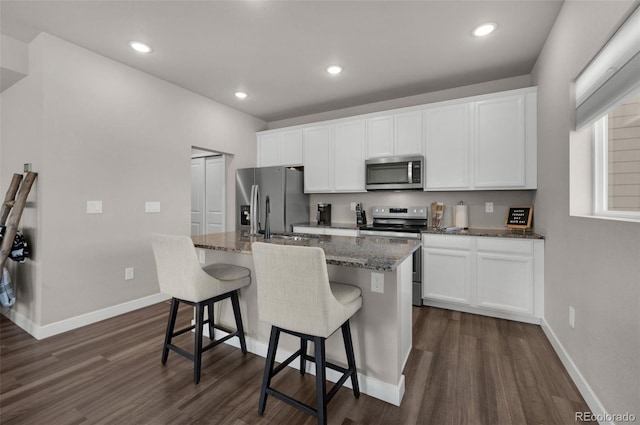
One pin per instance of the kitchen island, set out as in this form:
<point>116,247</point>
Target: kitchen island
<point>381,329</point>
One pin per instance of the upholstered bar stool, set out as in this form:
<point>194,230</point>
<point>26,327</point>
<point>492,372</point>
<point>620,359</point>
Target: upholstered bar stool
<point>181,276</point>
<point>296,297</point>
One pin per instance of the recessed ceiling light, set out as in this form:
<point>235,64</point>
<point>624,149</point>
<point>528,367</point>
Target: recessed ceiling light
<point>484,29</point>
<point>241,95</point>
<point>334,69</point>
<point>140,47</point>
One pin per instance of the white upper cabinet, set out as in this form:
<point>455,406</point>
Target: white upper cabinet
<point>408,133</point>
<point>348,156</point>
<point>448,145</point>
<point>500,142</point>
<point>317,150</point>
<point>486,143</point>
<point>395,134</point>
<point>380,136</point>
<point>334,157</point>
<point>279,147</point>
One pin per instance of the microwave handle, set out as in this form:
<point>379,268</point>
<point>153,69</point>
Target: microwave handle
<point>410,171</point>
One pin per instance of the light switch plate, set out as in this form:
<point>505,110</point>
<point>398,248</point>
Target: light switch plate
<point>128,273</point>
<point>94,207</point>
<point>572,317</point>
<point>488,207</point>
<point>202,256</point>
<point>377,282</point>
<point>152,207</point>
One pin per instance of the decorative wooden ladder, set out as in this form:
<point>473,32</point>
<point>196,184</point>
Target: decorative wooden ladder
<point>11,212</point>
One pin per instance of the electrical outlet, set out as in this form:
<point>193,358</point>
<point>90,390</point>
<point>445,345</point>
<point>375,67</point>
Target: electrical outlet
<point>128,273</point>
<point>353,206</point>
<point>572,317</point>
<point>377,282</point>
<point>488,207</point>
<point>201,255</point>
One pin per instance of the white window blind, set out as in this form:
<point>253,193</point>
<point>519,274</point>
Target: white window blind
<point>611,76</point>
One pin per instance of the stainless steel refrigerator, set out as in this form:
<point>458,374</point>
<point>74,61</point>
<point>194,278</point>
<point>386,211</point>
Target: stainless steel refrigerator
<point>285,188</point>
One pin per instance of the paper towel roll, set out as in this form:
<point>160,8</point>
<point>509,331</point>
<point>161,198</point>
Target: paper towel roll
<point>462,216</point>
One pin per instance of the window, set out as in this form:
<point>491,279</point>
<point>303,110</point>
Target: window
<point>617,160</point>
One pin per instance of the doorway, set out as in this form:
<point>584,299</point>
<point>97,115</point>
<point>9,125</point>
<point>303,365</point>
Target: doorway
<point>208,192</point>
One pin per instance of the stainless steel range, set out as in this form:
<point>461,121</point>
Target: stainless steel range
<point>401,222</point>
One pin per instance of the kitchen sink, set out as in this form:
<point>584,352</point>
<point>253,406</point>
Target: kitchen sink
<point>294,237</point>
<point>289,237</point>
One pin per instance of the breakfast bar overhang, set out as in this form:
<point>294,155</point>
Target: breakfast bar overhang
<point>381,329</point>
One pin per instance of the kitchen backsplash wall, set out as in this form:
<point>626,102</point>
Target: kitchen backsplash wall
<point>478,218</point>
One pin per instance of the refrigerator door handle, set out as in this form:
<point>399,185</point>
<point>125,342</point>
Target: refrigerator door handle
<point>255,209</point>
<point>252,223</point>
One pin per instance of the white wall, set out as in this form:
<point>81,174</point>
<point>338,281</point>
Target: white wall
<point>95,129</point>
<point>590,264</point>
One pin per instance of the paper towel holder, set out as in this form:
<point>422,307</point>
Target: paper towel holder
<point>461,216</point>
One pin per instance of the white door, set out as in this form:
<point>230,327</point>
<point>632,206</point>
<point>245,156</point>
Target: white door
<point>208,206</point>
<point>215,183</point>
<point>197,196</point>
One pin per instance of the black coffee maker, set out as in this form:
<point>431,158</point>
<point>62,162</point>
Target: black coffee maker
<point>361,214</point>
<point>324,214</point>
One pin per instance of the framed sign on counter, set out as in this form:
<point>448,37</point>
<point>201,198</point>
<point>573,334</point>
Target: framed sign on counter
<point>520,217</point>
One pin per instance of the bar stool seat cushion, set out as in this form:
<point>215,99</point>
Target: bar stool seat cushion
<point>345,294</point>
<point>226,272</point>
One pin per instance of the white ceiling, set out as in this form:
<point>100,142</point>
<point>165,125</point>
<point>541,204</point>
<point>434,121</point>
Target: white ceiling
<point>277,51</point>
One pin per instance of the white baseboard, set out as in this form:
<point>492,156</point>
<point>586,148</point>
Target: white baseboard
<point>586,391</point>
<point>41,332</point>
<point>372,387</point>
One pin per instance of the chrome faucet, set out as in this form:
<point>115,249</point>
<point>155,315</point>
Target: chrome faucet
<point>267,228</point>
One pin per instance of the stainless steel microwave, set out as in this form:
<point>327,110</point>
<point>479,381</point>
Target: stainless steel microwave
<point>395,173</point>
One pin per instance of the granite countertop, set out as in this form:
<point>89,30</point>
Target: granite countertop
<point>350,226</point>
<point>373,253</point>
<point>491,233</point>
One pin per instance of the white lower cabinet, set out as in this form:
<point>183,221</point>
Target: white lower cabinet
<point>446,269</point>
<point>501,277</point>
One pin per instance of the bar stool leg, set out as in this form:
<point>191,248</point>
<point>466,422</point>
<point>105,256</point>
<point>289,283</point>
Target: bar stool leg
<point>197,353</point>
<point>321,385</point>
<point>351,360</point>
<point>268,367</point>
<point>238,317</point>
<point>210,320</point>
<point>173,314</point>
<point>303,358</point>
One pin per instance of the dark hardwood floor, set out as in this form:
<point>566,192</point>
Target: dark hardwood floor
<point>463,369</point>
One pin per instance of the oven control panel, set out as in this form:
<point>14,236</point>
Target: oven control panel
<point>400,212</point>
